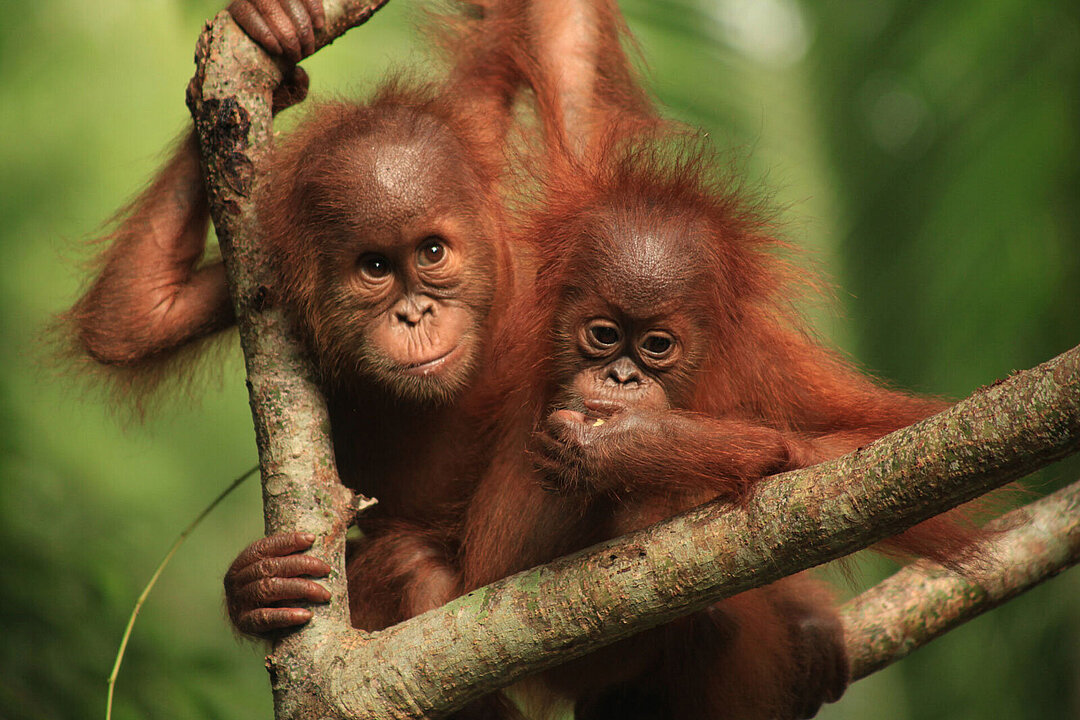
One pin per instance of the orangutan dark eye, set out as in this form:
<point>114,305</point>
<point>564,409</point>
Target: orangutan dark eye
<point>603,334</point>
<point>432,252</point>
<point>374,266</point>
<point>658,344</point>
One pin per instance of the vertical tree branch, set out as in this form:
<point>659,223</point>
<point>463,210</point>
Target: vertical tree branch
<point>230,100</point>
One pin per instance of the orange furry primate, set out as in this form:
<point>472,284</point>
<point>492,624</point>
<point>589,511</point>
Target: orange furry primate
<point>154,296</point>
<point>673,371</point>
<point>385,222</point>
<point>657,366</point>
<point>673,375</point>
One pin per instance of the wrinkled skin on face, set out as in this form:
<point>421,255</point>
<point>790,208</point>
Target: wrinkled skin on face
<point>629,337</point>
<point>402,286</point>
<point>643,308</point>
<point>629,334</point>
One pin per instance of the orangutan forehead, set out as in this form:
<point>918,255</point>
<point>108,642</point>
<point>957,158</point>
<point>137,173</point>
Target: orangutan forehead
<point>394,178</point>
<point>648,259</point>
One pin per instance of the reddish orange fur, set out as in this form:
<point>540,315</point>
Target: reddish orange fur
<point>151,301</point>
<point>765,378</point>
<point>767,398</point>
<point>748,661</point>
<point>154,299</point>
<point>765,364</point>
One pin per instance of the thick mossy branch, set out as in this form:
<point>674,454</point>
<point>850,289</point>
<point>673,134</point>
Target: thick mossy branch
<point>924,600</point>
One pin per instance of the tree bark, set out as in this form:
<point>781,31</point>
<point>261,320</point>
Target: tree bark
<point>437,662</point>
<point>924,600</point>
<point>230,100</point>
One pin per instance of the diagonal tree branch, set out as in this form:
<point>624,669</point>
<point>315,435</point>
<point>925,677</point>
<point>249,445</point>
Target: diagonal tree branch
<point>547,615</point>
<point>439,661</point>
<point>924,600</point>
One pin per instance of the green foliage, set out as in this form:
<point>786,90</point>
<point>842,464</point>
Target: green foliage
<point>924,153</point>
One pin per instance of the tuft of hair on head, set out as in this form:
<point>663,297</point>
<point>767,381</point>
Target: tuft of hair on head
<point>669,171</point>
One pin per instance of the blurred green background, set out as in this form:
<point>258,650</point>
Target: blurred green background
<point>926,153</point>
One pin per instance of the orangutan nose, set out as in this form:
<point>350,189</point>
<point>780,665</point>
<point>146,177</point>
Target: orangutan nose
<point>411,309</point>
<point>624,372</point>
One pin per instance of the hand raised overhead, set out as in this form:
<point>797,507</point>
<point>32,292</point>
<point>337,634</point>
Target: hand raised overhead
<point>282,27</point>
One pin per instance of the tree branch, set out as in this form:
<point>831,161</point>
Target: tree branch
<point>924,600</point>
<point>230,101</point>
<point>440,660</point>
<point>547,615</point>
